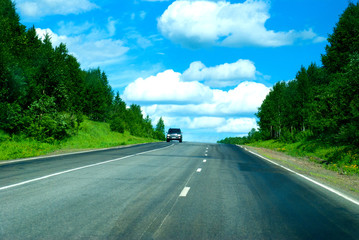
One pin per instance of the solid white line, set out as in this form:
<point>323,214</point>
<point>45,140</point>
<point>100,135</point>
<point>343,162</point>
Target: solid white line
<point>67,154</point>
<point>184,191</point>
<point>309,179</point>
<point>199,169</point>
<point>76,169</point>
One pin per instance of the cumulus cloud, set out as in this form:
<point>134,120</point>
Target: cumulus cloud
<point>243,100</point>
<point>194,106</point>
<point>91,50</point>
<point>196,24</point>
<point>40,8</point>
<point>206,122</point>
<point>241,125</point>
<point>228,74</point>
<point>176,97</point>
<point>166,87</point>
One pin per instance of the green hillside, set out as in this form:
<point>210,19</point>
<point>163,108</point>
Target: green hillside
<point>91,135</point>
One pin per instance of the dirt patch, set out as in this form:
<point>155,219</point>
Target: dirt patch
<point>348,184</point>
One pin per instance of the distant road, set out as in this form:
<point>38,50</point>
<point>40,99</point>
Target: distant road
<point>167,191</point>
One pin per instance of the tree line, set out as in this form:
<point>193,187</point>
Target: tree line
<point>322,102</point>
<point>44,93</point>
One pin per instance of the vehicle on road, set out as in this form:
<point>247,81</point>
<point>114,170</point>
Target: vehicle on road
<point>174,134</point>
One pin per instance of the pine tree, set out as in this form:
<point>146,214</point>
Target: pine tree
<point>344,41</point>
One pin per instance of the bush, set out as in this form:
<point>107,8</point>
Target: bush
<point>286,136</point>
<point>304,135</point>
<point>117,125</point>
<point>11,118</point>
<point>349,134</point>
<point>46,124</point>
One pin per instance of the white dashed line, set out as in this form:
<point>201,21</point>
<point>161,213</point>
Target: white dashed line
<point>199,169</point>
<point>184,191</point>
<point>204,160</point>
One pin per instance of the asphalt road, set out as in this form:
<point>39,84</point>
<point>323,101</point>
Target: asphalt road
<point>167,191</point>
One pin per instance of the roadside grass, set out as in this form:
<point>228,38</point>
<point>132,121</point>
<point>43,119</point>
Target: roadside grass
<point>91,135</point>
<point>342,159</point>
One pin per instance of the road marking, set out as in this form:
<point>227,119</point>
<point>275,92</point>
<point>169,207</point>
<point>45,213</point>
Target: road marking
<point>67,154</point>
<point>76,169</point>
<point>204,160</point>
<point>199,169</point>
<point>309,179</point>
<point>184,191</point>
<point>206,154</point>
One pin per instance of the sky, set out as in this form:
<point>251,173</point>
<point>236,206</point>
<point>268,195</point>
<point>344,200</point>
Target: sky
<point>203,66</point>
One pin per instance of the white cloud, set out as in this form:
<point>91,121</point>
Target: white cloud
<point>91,50</point>
<point>228,74</point>
<point>140,15</point>
<point>143,14</point>
<point>71,29</point>
<point>111,26</point>
<point>206,122</point>
<point>40,8</point>
<point>213,128</point>
<point>166,87</point>
<point>140,40</point>
<point>176,97</point>
<point>239,125</point>
<point>215,124</point>
<point>195,107</point>
<point>206,23</point>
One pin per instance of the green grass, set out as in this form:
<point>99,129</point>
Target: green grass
<point>91,135</point>
<point>343,159</point>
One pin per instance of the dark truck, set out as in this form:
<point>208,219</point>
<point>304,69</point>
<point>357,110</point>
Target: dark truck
<point>174,134</point>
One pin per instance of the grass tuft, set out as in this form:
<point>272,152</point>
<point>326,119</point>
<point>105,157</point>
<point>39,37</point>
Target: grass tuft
<point>343,159</point>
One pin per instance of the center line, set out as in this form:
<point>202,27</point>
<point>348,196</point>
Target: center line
<point>184,191</point>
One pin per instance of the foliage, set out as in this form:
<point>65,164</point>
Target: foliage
<point>160,130</point>
<point>253,136</point>
<point>321,100</point>
<point>321,105</point>
<point>344,41</point>
<point>44,93</point>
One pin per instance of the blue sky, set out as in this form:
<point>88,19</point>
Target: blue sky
<point>204,66</point>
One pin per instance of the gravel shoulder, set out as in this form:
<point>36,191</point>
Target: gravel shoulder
<point>347,184</point>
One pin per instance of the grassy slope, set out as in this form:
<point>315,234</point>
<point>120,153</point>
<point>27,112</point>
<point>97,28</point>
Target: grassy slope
<point>91,135</point>
<point>338,158</point>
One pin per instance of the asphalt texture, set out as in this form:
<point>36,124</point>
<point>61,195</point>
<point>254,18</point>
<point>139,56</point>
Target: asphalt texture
<point>167,191</point>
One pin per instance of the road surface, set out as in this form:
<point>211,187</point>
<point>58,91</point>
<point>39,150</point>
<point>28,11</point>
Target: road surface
<point>167,191</point>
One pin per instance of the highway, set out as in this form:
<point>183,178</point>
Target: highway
<point>167,191</point>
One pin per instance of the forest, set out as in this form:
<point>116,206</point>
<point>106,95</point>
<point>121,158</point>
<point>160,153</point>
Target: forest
<point>45,95</point>
<point>322,102</point>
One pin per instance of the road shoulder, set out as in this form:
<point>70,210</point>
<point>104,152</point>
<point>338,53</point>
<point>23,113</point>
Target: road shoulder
<point>347,184</point>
